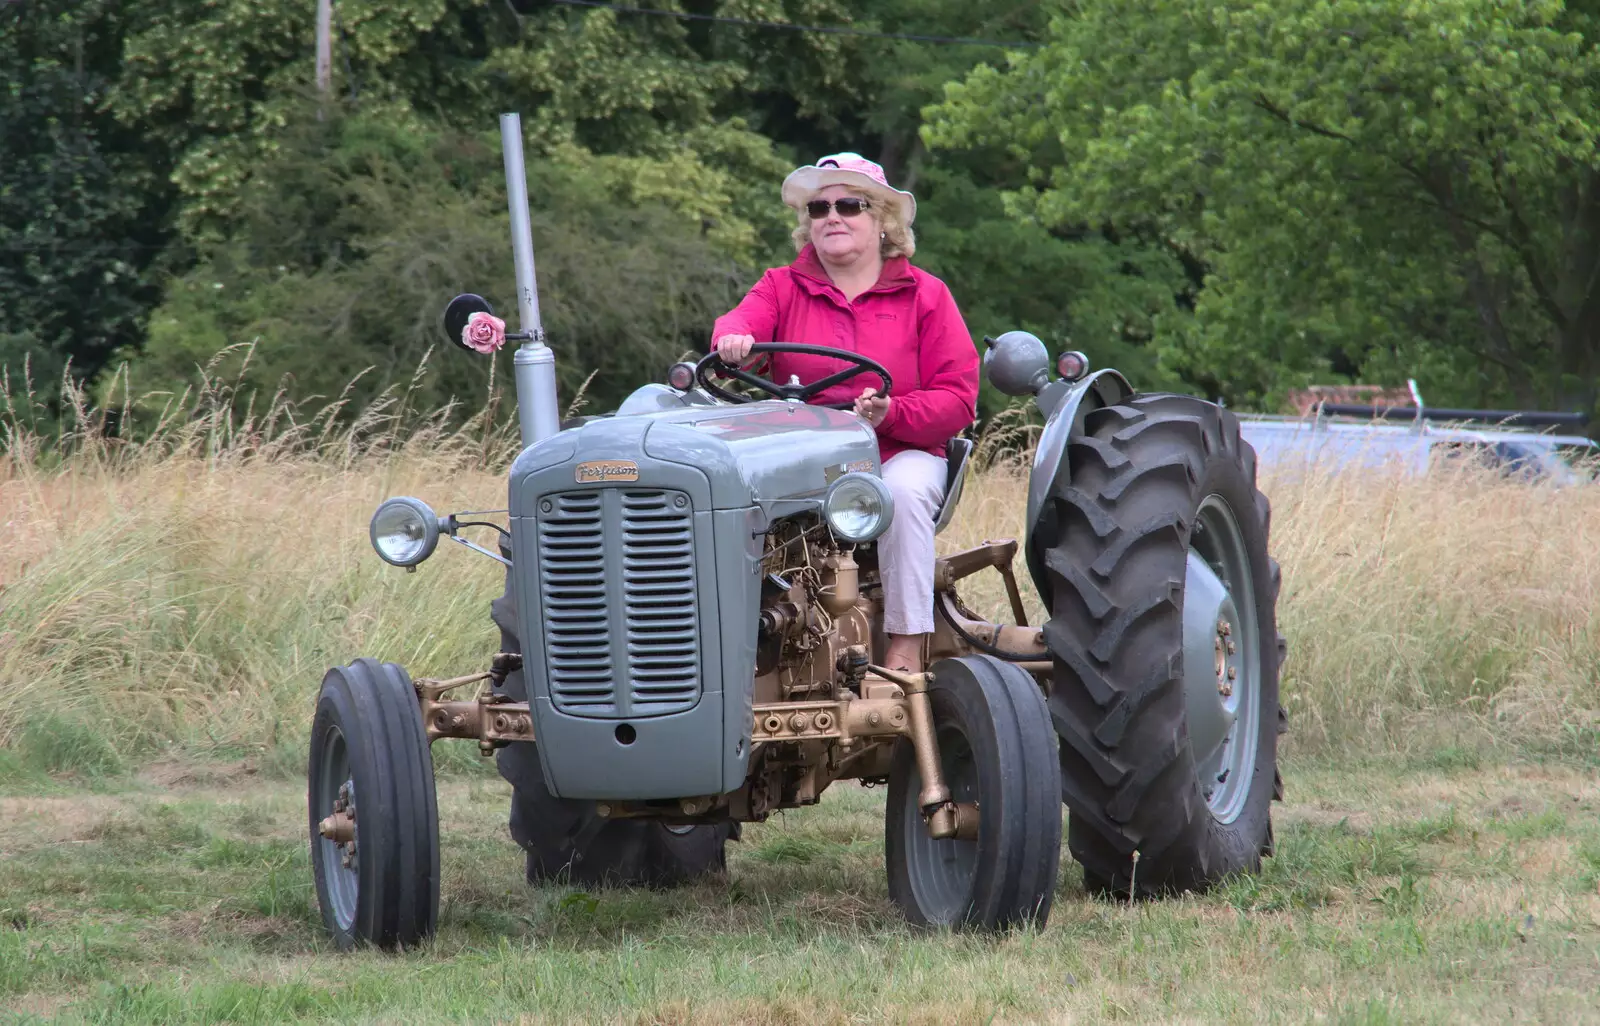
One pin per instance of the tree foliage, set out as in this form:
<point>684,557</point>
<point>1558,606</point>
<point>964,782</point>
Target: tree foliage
<point>1375,188</point>
<point>80,204</point>
<point>1231,197</point>
<point>329,230</point>
<point>357,231</point>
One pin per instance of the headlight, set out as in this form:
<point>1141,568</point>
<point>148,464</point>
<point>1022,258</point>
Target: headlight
<point>404,531</point>
<point>858,507</point>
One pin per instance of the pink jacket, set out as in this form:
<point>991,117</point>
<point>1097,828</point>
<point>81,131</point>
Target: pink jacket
<point>908,322</point>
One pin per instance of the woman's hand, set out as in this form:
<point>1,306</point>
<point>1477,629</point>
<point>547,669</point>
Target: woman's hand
<point>734,348</point>
<point>872,407</point>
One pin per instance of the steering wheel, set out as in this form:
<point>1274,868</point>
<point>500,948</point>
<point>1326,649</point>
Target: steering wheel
<point>862,365</point>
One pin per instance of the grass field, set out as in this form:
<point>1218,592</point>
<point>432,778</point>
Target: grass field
<point>167,610</point>
<point>1438,891</point>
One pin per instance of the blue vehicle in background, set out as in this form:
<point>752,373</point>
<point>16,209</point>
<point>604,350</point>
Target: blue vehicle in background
<point>1335,437</point>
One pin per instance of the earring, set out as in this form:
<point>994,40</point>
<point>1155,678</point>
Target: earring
<point>883,235</point>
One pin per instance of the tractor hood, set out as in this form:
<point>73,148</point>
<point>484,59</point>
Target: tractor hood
<point>637,542</point>
<point>765,453</point>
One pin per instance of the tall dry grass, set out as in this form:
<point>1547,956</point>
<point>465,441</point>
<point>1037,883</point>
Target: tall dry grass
<point>191,588</point>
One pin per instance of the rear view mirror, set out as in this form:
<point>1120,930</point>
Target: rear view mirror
<point>459,312</point>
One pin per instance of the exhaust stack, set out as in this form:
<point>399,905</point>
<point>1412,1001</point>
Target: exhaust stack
<point>534,364</point>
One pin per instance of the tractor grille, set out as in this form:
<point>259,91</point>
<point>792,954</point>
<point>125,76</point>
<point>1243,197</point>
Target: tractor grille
<point>617,585</point>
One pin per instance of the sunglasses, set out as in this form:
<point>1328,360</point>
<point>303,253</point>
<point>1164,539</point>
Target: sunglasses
<point>847,206</point>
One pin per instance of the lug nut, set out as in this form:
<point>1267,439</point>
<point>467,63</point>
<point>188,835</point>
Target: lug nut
<point>1233,673</point>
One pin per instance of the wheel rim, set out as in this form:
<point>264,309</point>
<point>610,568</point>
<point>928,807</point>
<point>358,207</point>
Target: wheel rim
<point>1221,659</point>
<point>941,871</point>
<point>333,781</point>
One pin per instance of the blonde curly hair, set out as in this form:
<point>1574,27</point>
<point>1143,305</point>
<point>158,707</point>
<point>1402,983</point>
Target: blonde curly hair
<point>898,239</point>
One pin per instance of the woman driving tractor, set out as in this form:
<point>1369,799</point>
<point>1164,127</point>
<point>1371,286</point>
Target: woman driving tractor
<point>852,287</point>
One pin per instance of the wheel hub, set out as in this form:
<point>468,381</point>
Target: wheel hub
<point>1225,649</point>
<point>340,827</point>
<point>1220,640</point>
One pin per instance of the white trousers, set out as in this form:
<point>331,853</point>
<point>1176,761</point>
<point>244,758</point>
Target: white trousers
<point>905,551</point>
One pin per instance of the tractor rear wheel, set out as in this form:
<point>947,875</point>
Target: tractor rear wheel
<point>566,839</point>
<point>374,815</point>
<point>1163,632</point>
<point>995,752</point>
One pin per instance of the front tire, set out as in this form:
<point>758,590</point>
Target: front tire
<point>370,761</point>
<point>1164,635</point>
<point>996,751</point>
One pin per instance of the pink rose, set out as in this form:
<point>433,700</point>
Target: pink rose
<point>484,332</point>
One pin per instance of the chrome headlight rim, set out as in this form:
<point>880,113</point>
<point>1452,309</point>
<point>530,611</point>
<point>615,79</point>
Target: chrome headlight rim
<point>848,488</point>
<point>426,520</point>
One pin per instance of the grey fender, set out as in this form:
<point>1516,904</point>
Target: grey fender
<point>1064,407</point>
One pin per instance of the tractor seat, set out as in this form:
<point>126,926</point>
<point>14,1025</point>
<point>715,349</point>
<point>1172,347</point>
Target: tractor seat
<point>955,454</point>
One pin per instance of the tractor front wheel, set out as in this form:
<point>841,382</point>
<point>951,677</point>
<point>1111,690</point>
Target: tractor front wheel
<point>1164,636</point>
<point>374,815</point>
<point>996,752</point>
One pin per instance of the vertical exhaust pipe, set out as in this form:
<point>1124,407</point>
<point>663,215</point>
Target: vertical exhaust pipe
<point>534,364</point>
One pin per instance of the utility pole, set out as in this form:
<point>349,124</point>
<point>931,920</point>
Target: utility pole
<point>324,47</point>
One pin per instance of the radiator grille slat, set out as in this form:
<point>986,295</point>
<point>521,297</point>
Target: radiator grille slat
<point>658,574</point>
<point>653,668</point>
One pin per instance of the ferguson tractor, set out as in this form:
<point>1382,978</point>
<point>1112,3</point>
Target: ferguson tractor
<point>691,638</point>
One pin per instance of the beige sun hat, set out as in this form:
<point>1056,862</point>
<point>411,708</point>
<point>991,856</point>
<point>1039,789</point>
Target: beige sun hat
<point>846,169</point>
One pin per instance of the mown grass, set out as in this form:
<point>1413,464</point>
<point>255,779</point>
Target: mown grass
<point>167,609</point>
<point>183,895</point>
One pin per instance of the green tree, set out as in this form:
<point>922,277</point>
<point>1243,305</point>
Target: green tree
<point>358,230</point>
<point>218,85</point>
<point>1373,189</point>
<point>81,207</point>
<point>331,229</point>
<point>817,93</point>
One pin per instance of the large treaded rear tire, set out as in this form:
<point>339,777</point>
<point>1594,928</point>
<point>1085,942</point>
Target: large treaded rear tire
<point>1114,539</point>
<point>566,840</point>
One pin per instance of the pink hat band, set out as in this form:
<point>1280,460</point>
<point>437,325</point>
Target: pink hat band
<point>860,165</point>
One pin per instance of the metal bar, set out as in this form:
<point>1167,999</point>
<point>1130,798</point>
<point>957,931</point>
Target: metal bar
<point>925,743</point>
<point>850,720</point>
<point>1014,594</point>
<point>1510,418</point>
<point>521,225</point>
<point>533,365</point>
<point>475,547</point>
<point>960,565</point>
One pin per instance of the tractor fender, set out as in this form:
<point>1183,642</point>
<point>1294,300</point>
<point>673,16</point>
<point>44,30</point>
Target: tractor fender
<point>1064,406</point>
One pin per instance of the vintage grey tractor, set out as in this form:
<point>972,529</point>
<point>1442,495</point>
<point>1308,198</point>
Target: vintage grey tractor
<point>690,641</point>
